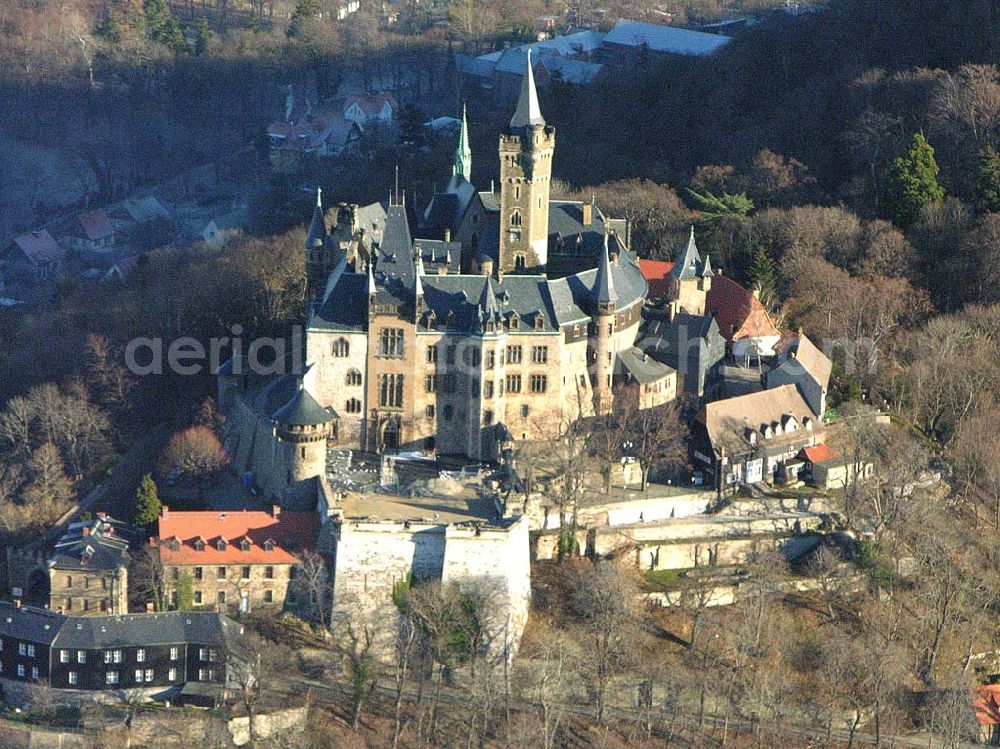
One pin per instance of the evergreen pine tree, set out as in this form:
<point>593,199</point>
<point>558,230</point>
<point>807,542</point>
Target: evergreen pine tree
<point>988,185</point>
<point>912,182</point>
<point>201,41</point>
<point>761,274</point>
<point>157,19</point>
<point>147,502</point>
<point>306,11</point>
<point>714,207</point>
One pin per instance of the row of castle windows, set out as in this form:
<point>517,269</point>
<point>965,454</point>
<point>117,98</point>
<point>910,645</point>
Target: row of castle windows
<point>449,411</point>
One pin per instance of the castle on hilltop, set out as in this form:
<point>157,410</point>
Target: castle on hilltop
<point>507,317</point>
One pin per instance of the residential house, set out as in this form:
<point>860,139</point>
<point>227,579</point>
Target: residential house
<point>327,137</point>
<point>92,231</point>
<point>799,362</point>
<point>236,560</point>
<point>138,211</point>
<point>370,109</point>
<point>651,382</point>
<point>826,468</point>
<point>743,320</point>
<point>122,270</point>
<point>750,438</point>
<point>221,229</point>
<point>34,257</point>
<point>88,569</point>
<point>150,652</point>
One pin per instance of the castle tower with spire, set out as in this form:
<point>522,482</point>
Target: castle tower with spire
<point>463,152</point>
<point>526,149</point>
<point>316,268</point>
<point>690,280</point>
<point>605,302</point>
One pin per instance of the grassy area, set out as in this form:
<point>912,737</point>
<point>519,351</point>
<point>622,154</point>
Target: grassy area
<point>662,578</point>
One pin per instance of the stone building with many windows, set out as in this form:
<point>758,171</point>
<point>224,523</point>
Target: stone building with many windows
<point>235,561</point>
<point>510,315</point>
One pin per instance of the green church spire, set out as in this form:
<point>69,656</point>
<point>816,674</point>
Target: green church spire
<point>463,153</point>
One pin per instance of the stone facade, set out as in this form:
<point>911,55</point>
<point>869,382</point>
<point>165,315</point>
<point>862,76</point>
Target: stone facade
<point>82,593</point>
<point>231,587</point>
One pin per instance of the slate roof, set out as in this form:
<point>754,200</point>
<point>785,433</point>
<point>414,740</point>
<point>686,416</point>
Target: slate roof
<point>659,38</point>
<point>303,410</point>
<point>579,72</point>
<point>689,265</point>
<point>39,247</point>
<point>604,284</point>
<point>436,253</point>
<point>642,367</point>
<point>528,113</point>
<point>98,544</point>
<point>798,348</point>
<point>394,269</point>
<point>446,209</point>
<point>316,235</point>
<point>345,302</point>
<point>29,623</point>
<point>164,628</point>
<point>142,210</point>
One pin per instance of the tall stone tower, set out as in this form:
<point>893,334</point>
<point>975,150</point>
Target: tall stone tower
<point>605,301</point>
<point>302,427</point>
<point>526,149</point>
<point>463,152</point>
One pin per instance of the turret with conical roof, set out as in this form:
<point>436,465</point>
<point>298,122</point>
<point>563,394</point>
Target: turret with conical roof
<point>302,427</point>
<point>316,239</point>
<point>604,293</point>
<point>463,153</point>
<point>526,150</point>
<point>316,236</point>
<point>690,279</point>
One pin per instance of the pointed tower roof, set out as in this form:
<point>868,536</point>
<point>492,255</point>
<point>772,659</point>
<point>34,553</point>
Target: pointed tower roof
<point>316,236</point>
<point>689,264</point>
<point>604,285</point>
<point>488,306</point>
<point>463,153</point>
<point>528,112</point>
<point>371,280</point>
<point>302,410</point>
<point>706,271</point>
<point>418,271</point>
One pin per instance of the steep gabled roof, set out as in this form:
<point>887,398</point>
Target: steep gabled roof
<point>316,236</point>
<point>798,347</point>
<point>739,313</point>
<point>689,264</point>
<point>727,421</point>
<point>604,284</point>
<point>39,247</point>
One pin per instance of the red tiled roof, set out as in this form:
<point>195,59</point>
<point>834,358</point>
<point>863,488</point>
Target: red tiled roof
<point>737,311</point>
<point>310,135</point>
<point>818,453</point>
<point>291,532</point>
<point>39,247</point>
<point>96,225</point>
<point>656,273</point>
<point>987,704</point>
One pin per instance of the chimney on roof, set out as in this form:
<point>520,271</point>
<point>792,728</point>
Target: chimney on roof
<point>756,292</point>
<point>275,510</point>
<point>588,213</point>
<point>17,603</point>
<point>86,530</point>
<point>149,607</point>
<point>447,235</point>
<point>101,515</point>
<point>163,511</point>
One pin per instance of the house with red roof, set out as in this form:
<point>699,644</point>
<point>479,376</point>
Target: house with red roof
<point>232,560</point>
<point>743,320</point>
<point>34,256</point>
<point>826,468</point>
<point>986,704</point>
<point>657,275</point>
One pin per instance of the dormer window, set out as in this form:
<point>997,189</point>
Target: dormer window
<point>245,545</point>
<point>514,321</point>
<point>767,431</point>
<point>269,545</point>
<point>221,544</point>
<point>539,321</point>
<point>751,436</point>
<point>199,544</point>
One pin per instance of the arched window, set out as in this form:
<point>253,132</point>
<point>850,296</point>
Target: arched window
<point>354,377</point>
<point>515,218</point>
<point>353,406</point>
<point>341,348</point>
<point>519,262</point>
